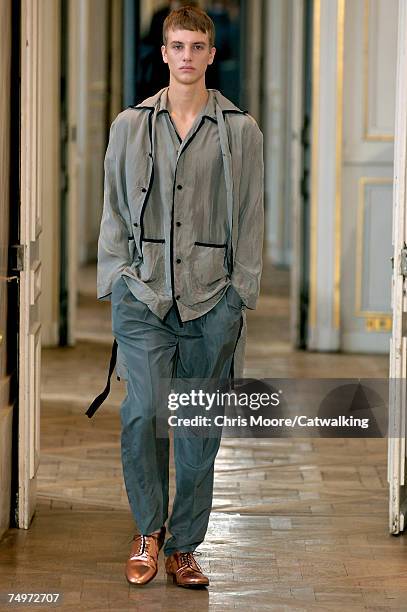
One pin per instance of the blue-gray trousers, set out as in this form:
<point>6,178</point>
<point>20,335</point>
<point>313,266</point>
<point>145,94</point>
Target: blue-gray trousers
<point>156,351</point>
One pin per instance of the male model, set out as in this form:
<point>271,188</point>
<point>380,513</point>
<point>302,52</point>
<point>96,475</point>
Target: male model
<point>180,258</point>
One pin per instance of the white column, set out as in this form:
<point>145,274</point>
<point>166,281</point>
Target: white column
<point>49,162</point>
<point>326,139</point>
<point>276,119</point>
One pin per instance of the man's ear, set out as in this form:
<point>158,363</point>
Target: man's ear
<point>212,56</point>
<point>164,54</point>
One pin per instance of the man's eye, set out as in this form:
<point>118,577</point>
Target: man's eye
<point>198,47</point>
<point>177,47</point>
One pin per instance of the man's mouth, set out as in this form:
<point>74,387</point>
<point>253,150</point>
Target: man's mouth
<point>187,68</point>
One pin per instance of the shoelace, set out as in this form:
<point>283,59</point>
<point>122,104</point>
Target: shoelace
<point>187,558</point>
<point>143,550</point>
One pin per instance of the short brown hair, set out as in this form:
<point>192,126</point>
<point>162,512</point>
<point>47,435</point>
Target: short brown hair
<point>189,18</point>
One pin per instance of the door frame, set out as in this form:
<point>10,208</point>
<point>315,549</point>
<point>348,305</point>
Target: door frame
<point>398,354</point>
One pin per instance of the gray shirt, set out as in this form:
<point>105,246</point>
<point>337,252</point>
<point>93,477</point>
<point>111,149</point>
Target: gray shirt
<point>185,219</point>
<point>129,174</point>
<point>129,178</point>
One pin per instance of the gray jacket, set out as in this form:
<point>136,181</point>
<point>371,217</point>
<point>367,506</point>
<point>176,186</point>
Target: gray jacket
<point>129,173</point>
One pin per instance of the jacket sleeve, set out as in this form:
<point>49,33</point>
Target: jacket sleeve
<point>247,265</point>
<point>113,243</point>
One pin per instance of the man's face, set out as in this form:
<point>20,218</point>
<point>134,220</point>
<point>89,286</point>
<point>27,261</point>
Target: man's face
<point>188,55</point>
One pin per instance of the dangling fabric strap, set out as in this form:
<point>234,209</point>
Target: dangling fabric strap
<point>232,367</point>
<point>98,401</point>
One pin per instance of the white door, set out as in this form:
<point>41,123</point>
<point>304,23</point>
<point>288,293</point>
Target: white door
<point>398,361</point>
<point>370,55</point>
<point>30,277</point>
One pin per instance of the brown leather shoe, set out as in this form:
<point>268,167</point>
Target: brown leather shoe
<point>185,571</point>
<point>142,566</point>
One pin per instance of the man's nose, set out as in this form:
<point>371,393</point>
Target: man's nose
<point>187,54</point>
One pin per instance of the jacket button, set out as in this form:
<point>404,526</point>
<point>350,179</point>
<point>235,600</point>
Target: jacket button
<point>179,187</point>
<point>144,190</point>
<point>178,224</point>
<point>135,224</point>
<point>178,260</point>
<point>177,297</point>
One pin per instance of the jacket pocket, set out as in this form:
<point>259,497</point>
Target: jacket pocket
<point>209,265</point>
<point>152,267</point>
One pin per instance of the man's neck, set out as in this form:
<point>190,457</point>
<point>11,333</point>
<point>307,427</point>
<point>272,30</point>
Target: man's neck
<point>186,101</point>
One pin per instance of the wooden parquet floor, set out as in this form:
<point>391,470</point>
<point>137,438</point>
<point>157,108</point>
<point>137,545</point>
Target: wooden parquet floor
<point>297,523</point>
